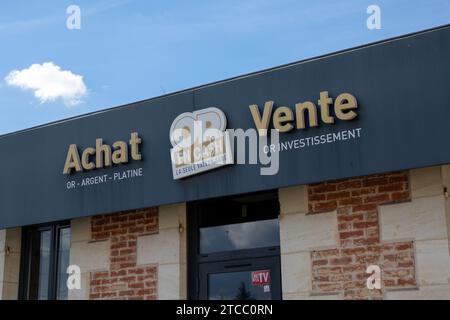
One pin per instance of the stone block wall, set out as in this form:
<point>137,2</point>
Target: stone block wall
<point>10,242</point>
<point>331,232</point>
<point>131,255</point>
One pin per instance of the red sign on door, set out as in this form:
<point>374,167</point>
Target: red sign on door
<point>261,277</point>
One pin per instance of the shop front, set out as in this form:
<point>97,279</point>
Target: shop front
<point>322,179</point>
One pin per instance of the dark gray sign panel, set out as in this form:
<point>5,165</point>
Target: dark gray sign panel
<point>403,92</point>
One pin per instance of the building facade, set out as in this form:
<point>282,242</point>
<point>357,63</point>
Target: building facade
<point>108,203</point>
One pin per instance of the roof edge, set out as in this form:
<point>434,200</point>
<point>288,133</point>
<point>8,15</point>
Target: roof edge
<point>234,78</point>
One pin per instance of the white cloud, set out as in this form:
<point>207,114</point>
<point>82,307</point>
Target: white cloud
<point>49,83</point>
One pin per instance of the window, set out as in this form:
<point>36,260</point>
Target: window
<point>232,224</point>
<point>239,236</point>
<point>45,258</point>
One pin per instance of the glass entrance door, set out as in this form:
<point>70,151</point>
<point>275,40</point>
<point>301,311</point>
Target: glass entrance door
<point>234,248</point>
<point>246,279</point>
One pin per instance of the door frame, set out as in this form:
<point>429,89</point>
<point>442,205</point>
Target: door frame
<point>194,210</point>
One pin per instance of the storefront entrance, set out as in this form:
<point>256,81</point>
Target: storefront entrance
<point>234,248</point>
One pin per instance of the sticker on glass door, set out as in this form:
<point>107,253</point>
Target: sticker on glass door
<point>261,278</point>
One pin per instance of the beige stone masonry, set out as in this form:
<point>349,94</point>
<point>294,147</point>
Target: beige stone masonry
<point>446,186</point>
<point>425,220</point>
<point>299,232</point>
<point>88,255</point>
<point>167,248</point>
<point>10,244</point>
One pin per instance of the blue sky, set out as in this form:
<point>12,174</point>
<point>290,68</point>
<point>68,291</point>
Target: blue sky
<point>129,50</point>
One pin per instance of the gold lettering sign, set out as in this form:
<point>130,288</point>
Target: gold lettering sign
<point>102,155</point>
<point>305,112</point>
